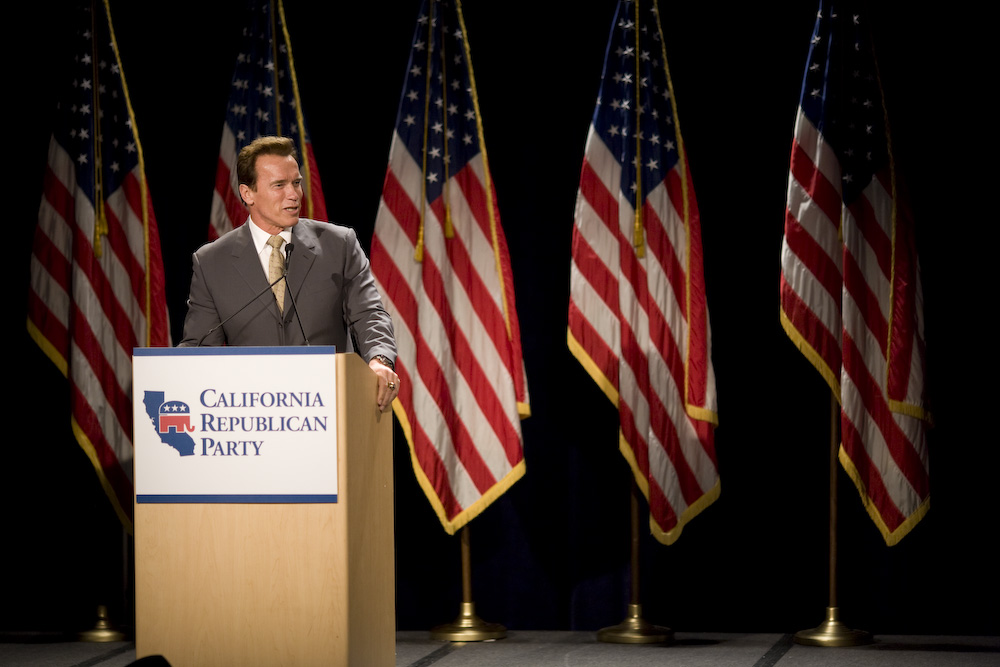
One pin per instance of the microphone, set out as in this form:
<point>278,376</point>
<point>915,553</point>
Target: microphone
<point>289,247</point>
<point>241,309</point>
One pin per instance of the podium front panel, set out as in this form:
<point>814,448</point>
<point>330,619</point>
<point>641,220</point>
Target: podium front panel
<point>226,578</point>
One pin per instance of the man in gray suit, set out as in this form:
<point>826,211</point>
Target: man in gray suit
<point>329,279</point>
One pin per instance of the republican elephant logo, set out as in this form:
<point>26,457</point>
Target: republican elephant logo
<point>175,417</point>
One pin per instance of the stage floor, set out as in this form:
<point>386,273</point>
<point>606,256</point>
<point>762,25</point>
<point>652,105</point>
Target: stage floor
<point>581,649</point>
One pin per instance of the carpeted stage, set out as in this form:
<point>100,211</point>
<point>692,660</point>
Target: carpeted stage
<point>581,649</point>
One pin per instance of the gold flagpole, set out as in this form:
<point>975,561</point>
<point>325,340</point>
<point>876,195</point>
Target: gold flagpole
<point>832,632</point>
<point>103,630</point>
<point>468,627</point>
<point>635,629</point>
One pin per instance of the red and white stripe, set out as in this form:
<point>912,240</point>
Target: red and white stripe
<point>639,325</point>
<point>851,300</point>
<point>87,310</point>
<point>228,211</point>
<point>463,390</point>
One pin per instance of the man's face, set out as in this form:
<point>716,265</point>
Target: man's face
<point>276,199</point>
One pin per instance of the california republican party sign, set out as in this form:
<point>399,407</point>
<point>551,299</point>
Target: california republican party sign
<point>235,425</point>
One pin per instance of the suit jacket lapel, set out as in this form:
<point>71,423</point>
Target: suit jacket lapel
<point>302,259</point>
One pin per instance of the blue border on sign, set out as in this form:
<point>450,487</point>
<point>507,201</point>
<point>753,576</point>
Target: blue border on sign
<point>236,499</point>
<point>230,350</point>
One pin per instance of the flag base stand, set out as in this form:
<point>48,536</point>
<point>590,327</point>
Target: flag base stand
<point>468,627</point>
<point>102,630</point>
<point>635,630</point>
<point>832,633</point>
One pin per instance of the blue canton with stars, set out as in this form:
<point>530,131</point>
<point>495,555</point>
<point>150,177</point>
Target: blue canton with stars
<point>256,101</point>
<point>634,64</point>
<point>437,97</point>
<point>97,95</point>
<point>842,97</point>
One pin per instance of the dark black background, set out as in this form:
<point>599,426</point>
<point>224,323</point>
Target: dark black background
<point>553,552</point>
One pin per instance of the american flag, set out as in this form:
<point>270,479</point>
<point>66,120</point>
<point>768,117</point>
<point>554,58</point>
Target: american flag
<point>638,317</point>
<point>97,288</point>
<point>264,100</point>
<point>441,262</point>
<point>851,297</point>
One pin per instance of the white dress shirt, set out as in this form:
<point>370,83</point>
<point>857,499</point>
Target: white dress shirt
<point>260,238</point>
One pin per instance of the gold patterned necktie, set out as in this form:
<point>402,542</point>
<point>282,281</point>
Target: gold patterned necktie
<point>276,269</point>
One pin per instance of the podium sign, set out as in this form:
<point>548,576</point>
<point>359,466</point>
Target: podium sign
<point>254,546</point>
<point>235,425</point>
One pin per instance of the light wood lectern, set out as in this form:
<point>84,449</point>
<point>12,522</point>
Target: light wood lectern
<point>279,584</point>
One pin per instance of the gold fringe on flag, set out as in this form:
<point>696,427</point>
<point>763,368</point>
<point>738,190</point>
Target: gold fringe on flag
<point>299,118</point>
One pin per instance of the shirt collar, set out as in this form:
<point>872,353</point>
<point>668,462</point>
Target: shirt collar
<point>260,237</point>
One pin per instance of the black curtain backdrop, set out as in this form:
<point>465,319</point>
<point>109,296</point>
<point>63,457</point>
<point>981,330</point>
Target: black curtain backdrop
<point>553,552</point>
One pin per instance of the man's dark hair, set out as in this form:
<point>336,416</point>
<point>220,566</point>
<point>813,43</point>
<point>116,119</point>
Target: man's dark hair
<point>246,163</point>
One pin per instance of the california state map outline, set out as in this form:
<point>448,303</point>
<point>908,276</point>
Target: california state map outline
<point>180,441</point>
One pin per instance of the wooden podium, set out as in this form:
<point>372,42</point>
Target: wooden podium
<point>279,584</point>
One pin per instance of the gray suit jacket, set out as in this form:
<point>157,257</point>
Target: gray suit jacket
<point>329,278</point>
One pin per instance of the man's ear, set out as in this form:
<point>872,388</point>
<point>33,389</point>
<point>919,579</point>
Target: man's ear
<point>246,194</point>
